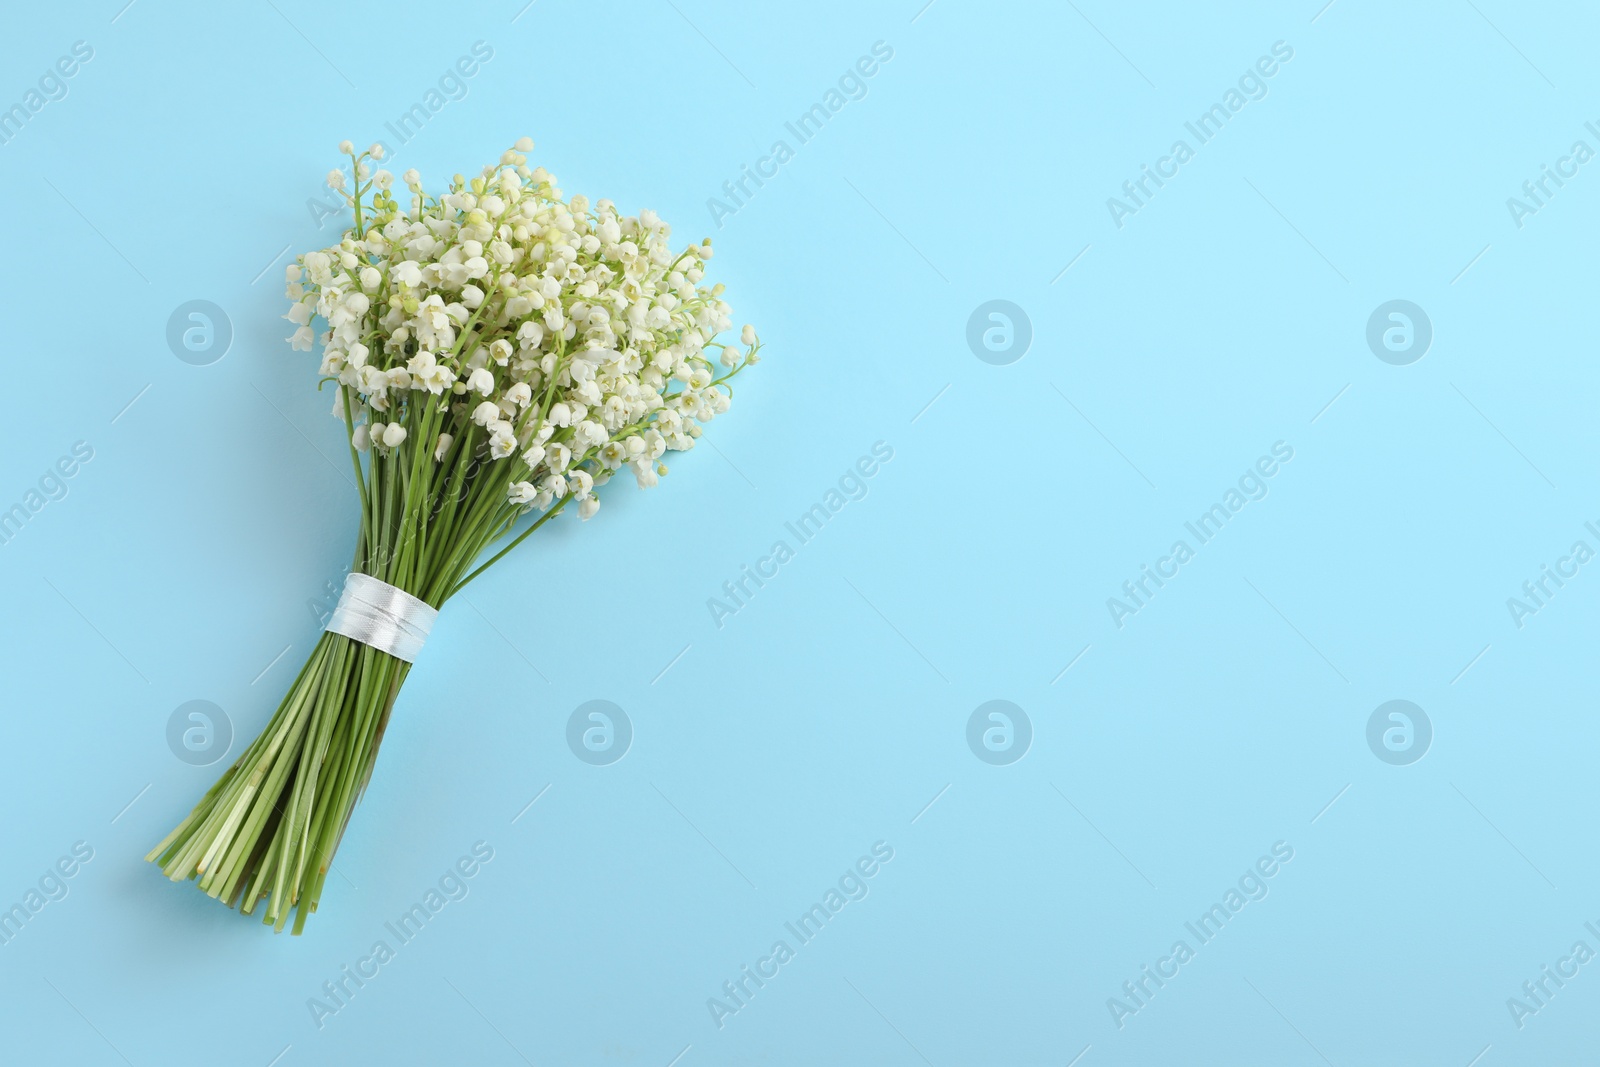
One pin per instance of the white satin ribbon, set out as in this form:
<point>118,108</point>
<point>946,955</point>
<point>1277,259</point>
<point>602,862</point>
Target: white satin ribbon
<point>378,614</point>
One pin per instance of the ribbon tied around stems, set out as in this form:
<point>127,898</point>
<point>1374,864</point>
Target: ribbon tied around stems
<point>378,614</point>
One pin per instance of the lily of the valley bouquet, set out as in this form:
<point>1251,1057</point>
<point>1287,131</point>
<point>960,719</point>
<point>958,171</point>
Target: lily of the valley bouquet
<point>494,351</point>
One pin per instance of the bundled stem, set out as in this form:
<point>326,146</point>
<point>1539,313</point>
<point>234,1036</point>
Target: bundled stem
<point>269,827</point>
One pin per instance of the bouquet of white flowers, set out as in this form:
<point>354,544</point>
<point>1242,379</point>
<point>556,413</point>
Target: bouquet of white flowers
<point>494,351</point>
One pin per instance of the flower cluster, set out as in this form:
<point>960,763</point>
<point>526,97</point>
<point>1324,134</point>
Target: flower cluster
<point>540,342</point>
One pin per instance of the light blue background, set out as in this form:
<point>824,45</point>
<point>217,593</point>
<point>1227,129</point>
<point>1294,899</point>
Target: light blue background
<point>1228,314</point>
